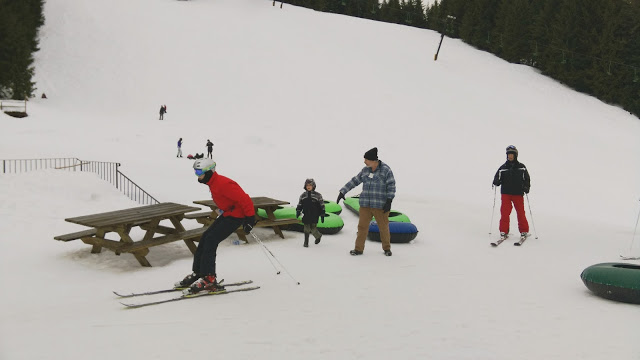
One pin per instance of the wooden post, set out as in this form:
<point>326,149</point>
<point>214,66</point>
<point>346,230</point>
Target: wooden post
<point>435,58</point>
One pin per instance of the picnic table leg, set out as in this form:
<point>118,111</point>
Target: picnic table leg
<point>242,236</point>
<point>272,216</point>
<point>97,249</point>
<point>276,229</point>
<point>140,254</point>
<point>127,229</point>
<point>178,225</point>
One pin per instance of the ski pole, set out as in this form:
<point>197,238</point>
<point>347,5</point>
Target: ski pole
<point>530,213</point>
<point>264,251</point>
<point>493,211</point>
<point>279,263</point>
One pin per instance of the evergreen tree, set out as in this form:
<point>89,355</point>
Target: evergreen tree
<point>478,21</point>
<point>512,31</point>
<point>19,23</point>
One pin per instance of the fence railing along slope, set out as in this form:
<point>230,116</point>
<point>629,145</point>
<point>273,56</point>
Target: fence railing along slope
<point>108,171</point>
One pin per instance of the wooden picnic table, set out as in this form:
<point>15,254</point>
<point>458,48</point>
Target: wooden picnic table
<point>269,205</point>
<point>121,222</point>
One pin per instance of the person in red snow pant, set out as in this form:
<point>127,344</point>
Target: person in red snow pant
<point>514,181</point>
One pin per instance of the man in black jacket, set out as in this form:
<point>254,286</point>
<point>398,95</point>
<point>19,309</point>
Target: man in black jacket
<point>514,180</point>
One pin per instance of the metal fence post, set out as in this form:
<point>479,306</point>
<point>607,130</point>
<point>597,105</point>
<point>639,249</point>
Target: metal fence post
<point>117,172</point>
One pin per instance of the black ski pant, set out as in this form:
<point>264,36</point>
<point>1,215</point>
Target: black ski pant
<point>210,154</point>
<point>204,261</point>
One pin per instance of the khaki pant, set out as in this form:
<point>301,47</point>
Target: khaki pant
<point>382,218</point>
<point>313,230</point>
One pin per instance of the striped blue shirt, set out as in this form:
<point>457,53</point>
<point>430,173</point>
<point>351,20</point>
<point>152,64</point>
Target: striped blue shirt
<point>377,186</point>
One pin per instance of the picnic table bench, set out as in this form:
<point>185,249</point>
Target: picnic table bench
<point>260,202</point>
<point>121,222</point>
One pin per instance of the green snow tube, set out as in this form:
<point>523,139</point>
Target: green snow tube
<point>614,281</point>
<point>332,207</point>
<point>353,204</point>
<point>332,223</point>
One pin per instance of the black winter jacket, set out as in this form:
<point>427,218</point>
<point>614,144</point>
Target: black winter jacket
<point>311,205</point>
<point>513,177</point>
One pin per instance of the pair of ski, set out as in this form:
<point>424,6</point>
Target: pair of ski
<point>184,297</point>
<point>518,243</point>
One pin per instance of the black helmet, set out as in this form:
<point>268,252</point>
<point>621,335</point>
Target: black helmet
<point>310,181</point>
<point>512,150</point>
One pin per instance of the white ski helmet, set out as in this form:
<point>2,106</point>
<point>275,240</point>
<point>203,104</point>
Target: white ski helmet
<point>204,165</point>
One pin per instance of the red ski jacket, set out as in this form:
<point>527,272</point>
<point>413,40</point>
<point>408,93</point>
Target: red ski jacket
<point>230,197</point>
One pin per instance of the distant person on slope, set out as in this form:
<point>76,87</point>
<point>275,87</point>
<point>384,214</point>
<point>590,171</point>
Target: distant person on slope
<point>311,205</point>
<point>209,149</point>
<point>236,210</point>
<point>163,110</point>
<point>378,190</point>
<point>514,180</point>
<point>179,148</point>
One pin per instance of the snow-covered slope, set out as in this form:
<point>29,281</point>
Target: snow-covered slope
<point>286,94</point>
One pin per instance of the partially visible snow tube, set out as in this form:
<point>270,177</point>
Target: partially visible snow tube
<point>397,216</point>
<point>332,207</point>
<point>353,204</point>
<point>400,232</point>
<point>614,281</point>
<point>282,212</point>
<point>332,225</point>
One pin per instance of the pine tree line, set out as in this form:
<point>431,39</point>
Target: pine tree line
<point>592,46</point>
<point>19,24</point>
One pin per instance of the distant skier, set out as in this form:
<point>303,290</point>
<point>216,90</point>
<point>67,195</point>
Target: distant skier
<point>179,148</point>
<point>378,190</point>
<point>311,205</point>
<point>514,180</point>
<point>237,210</point>
<point>209,149</point>
<point>163,110</point>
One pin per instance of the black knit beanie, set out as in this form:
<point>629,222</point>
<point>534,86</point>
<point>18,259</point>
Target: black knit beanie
<point>371,154</point>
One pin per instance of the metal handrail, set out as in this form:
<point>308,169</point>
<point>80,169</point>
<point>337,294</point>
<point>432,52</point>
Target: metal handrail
<point>108,171</point>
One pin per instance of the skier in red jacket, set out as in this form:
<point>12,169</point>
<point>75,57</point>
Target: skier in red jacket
<point>236,210</point>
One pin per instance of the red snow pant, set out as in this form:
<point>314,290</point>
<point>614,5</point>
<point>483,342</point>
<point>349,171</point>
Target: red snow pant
<point>505,212</point>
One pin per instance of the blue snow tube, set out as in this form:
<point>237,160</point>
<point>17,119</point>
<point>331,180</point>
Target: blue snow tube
<point>400,232</point>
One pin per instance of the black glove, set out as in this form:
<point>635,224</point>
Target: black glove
<point>526,190</point>
<point>322,218</point>
<point>340,196</point>
<point>249,221</point>
<point>298,213</point>
<point>387,206</point>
